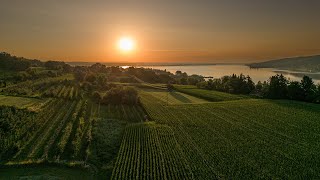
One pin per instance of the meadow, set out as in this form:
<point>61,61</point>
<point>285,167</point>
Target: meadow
<point>214,96</point>
<point>21,102</point>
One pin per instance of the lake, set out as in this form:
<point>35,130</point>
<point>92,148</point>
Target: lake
<point>217,71</point>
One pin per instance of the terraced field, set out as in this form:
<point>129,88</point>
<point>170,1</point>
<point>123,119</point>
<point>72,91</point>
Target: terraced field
<point>244,139</point>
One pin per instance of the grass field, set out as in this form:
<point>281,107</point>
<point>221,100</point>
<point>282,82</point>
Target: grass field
<point>244,139</point>
<point>21,102</point>
<point>209,95</point>
<point>173,97</point>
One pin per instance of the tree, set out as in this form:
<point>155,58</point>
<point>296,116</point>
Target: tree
<point>80,73</point>
<point>295,91</point>
<point>91,77</point>
<point>129,96</point>
<point>170,87</point>
<point>183,81</point>
<point>259,86</point>
<point>250,84</point>
<point>278,87</point>
<point>178,73</point>
<point>203,84</point>
<point>121,95</point>
<point>96,96</point>
<point>317,96</point>
<point>309,89</point>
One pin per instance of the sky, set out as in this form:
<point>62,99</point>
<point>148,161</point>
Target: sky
<point>197,31</point>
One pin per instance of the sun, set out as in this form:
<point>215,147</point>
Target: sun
<point>126,44</point>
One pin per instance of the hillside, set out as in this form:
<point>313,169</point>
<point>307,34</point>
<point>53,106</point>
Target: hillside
<point>306,63</point>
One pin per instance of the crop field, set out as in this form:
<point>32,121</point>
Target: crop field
<point>188,138</point>
<point>244,139</point>
<point>150,151</point>
<point>209,95</point>
<point>122,112</point>
<point>61,130</point>
<point>70,92</point>
<point>36,88</point>
<point>173,97</point>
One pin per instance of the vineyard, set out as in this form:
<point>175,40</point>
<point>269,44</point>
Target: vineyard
<point>61,87</point>
<point>150,151</point>
<point>60,126</point>
<point>244,139</point>
<point>183,134</point>
<point>60,130</point>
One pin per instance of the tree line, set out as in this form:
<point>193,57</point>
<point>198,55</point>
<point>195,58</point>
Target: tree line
<point>277,87</point>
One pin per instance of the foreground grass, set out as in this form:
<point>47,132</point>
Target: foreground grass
<point>44,172</point>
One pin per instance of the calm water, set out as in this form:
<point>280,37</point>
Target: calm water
<point>218,71</point>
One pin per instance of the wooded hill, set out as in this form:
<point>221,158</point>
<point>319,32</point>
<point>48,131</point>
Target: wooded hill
<point>305,63</point>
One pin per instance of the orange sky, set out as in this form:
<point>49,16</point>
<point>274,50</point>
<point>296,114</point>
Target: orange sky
<point>210,31</point>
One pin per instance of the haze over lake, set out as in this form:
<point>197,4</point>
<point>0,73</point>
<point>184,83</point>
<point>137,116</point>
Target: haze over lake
<point>217,71</point>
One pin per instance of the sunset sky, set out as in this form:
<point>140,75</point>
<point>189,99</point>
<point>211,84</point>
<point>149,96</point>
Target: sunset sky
<point>218,31</point>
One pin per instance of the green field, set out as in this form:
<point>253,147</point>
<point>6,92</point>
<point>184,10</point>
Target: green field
<point>244,139</point>
<point>21,102</point>
<point>199,135</point>
<point>173,97</point>
<point>122,112</point>
<point>35,88</point>
<point>61,131</point>
<point>150,151</point>
<point>209,95</point>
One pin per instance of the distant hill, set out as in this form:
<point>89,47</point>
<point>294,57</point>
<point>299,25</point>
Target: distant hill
<point>9,62</point>
<point>306,63</point>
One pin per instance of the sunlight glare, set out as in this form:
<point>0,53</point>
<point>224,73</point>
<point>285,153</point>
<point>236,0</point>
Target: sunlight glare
<point>126,44</point>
